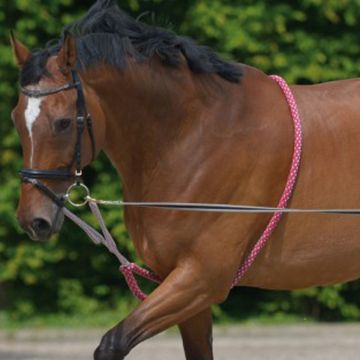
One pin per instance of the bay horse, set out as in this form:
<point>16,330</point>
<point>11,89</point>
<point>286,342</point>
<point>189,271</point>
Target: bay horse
<point>181,124</point>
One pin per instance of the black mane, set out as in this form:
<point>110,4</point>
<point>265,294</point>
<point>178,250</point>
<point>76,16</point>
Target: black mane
<point>107,34</point>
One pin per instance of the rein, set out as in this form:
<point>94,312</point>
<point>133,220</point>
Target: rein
<point>128,269</point>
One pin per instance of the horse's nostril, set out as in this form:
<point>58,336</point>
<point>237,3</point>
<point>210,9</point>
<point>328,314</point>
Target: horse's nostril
<point>41,227</point>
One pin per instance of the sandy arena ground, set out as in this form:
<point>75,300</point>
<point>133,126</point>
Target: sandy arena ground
<point>313,342</point>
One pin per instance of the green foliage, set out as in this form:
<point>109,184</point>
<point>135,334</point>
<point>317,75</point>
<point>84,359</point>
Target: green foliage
<point>72,299</point>
<point>304,40</point>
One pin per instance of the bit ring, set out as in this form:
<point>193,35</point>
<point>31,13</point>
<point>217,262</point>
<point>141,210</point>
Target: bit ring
<point>86,197</point>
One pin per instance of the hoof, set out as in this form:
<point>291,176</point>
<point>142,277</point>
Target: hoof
<point>108,354</point>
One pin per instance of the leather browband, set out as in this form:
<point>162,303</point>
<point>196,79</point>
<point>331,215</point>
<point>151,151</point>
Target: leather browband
<point>42,93</point>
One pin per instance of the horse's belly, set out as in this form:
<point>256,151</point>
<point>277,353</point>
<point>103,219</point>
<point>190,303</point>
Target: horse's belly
<point>309,251</point>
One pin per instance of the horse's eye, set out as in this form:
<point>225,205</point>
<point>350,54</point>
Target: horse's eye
<point>62,124</point>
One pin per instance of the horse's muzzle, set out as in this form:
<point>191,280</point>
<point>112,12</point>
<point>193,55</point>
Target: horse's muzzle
<point>41,228</point>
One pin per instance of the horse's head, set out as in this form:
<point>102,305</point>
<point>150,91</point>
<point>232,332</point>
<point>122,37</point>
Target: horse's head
<point>46,118</point>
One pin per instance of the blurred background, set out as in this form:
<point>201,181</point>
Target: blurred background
<point>305,41</point>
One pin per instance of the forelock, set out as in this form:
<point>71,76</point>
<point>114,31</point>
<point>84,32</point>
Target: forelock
<point>35,67</point>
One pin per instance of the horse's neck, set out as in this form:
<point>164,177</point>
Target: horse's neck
<point>163,127</point>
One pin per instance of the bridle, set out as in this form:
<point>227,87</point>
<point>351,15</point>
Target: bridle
<point>33,176</point>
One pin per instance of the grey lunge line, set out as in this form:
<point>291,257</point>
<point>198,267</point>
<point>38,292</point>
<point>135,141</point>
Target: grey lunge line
<point>206,207</point>
<point>105,239</point>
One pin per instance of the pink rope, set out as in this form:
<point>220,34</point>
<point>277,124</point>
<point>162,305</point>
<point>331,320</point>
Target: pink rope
<point>129,270</point>
<point>290,184</point>
<point>146,274</point>
<point>129,276</point>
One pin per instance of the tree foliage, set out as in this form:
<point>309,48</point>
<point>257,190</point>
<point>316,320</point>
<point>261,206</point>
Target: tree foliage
<point>304,40</point>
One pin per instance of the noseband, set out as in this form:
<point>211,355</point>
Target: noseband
<point>33,176</point>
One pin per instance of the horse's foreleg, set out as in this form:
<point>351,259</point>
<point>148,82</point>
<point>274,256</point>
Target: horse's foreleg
<point>197,336</point>
<point>187,291</point>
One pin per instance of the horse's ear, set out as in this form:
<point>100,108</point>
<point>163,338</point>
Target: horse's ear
<point>20,51</point>
<point>66,58</point>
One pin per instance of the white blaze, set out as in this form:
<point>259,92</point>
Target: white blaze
<point>32,113</point>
